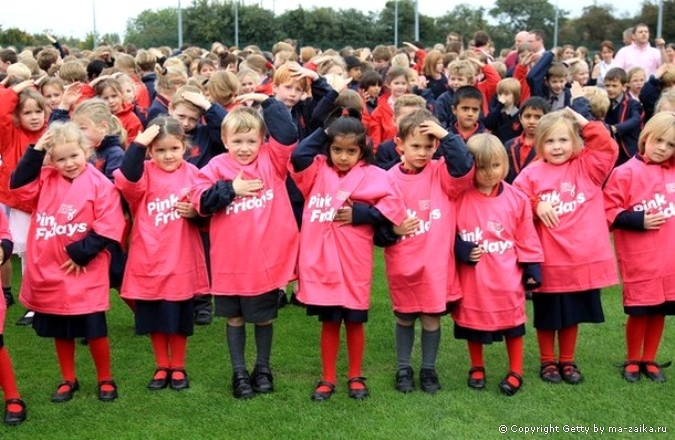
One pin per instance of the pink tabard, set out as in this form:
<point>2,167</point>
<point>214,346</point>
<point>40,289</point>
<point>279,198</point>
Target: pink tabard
<point>166,256</point>
<point>493,293</point>
<point>578,253</point>
<point>64,212</point>
<point>646,258</point>
<point>421,266</point>
<point>254,240</point>
<point>336,262</point>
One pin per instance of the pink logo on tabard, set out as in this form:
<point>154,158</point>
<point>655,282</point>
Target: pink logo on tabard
<point>670,187</point>
<point>568,187</point>
<point>342,195</point>
<point>424,204</point>
<point>68,210</point>
<point>496,227</point>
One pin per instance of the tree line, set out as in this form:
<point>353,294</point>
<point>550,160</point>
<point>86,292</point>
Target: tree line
<point>206,21</point>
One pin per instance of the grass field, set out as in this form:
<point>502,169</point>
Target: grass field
<point>208,411</point>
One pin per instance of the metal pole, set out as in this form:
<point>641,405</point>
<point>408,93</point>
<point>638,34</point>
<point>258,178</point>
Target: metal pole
<point>93,3</point>
<point>659,23</point>
<point>555,26</point>
<point>417,22</point>
<point>396,23</point>
<point>180,26</point>
<point>236,22</point>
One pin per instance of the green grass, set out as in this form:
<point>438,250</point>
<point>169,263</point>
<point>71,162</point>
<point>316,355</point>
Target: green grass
<point>207,410</point>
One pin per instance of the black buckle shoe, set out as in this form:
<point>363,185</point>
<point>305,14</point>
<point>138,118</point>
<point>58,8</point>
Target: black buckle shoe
<point>179,383</point>
<point>67,393</point>
<point>107,395</point>
<point>570,373</point>
<point>358,393</point>
<point>429,381</point>
<point>654,376</point>
<point>476,383</point>
<point>241,385</point>
<point>159,382</point>
<point>506,387</point>
<point>13,418</point>
<point>262,379</point>
<point>320,396</point>
<point>203,317</point>
<point>405,380</point>
<point>631,376</point>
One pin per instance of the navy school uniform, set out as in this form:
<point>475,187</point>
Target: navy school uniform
<point>536,80</point>
<point>649,95</point>
<point>501,124</point>
<point>159,107</point>
<point>205,138</point>
<point>443,109</point>
<point>518,157</point>
<point>626,116</point>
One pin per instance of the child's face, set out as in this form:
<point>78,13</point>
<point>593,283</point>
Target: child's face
<point>207,71</point>
<point>488,175</point>
<point>614,88</point>
<point>568,53</point>
<point>667,106</point>
<point>69,159</point>
<point>52,95</point>
<point>113,99</point>
<point>380,64</point>
<point>636,82</point>
<point>243,146</point>
<point>374,91</point>
<point>440,67</point>
<point>188,117</point>
<point>167,153</point>
<point>558,145</point>
<point>556,85</point>
<point>662,148</point>
<point>344,153</point>
<point>506,98</point>
<point>31,116</point>
<point>529,119</point>
<point>417,149</point>
<point>289,93</point>
<point>456,81</point>
<point>355,73</point>
<point>93,133</point>
<point>399,86</point>
<point>129,92</point>
<point>581,75</point>
<point>467,112</point>
<point>248,84</point>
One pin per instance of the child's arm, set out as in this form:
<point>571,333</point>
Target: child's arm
<point>29,166</point>
<point>133,162</point>
<point>279,122</point>
<point>531,275</point>
<point>311,146</point>
<point>632,121</point>
<point>82,251</point>
<point>579,102</point>
<point>601,150</point>
<point>326,104</point>
<point>443,110</point>
<point>467,252</point>
<point>223,192</point>
<point>536,76</point>
<point>458,160</point>
<point>651,91</point>
<point>8,102</point>
<point>520,73</point>
<point>616,207</point>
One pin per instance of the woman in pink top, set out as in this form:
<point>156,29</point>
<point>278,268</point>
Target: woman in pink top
<point>640,206</point>
<point>345,197</point>
<point>166,265</point>
<point>565,189</point>
<point>504,260</point>
<point>15,408</point>
<point>76,214</point>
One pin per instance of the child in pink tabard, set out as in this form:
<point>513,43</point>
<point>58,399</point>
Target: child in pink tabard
<point>254,239</point>
<point>166,265</point>
<point>504,260</point>
<point>345,197</point>
<point>420,266</point>
<point>565,189</point>
<point>15,408</point>
<point>76,214</point>
<point>640,205</point>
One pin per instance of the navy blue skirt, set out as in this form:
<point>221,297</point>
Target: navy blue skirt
<point>555,311</point>
<point>162,316</point>
<point>337,314</point>
<point>89,326</point>
<point>486,336</point>
<point>665,308</point>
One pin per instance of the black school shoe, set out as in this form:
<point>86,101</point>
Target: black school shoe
<point>203,317</point>
<point>107,395</point>
<point>405,380</point>
<point>13,418</point>
<point>67,393</point>
<point>358,393</point>
<point>262,380</point>
<point>159,381</point>
<point>179,383</point>
<point>9,299</point>
<point>429,381</point>
<point>656,376</point>
<point>241,385</point>
<point>27,318</point>
<point>629,375</point>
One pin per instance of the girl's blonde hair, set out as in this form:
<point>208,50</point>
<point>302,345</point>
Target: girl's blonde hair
<point>485,148</point>
<point>52,82</point>
<point>552,121</point>
<point>243,73</point>
<point>658,126</point>
<point>19,70</point>
<point>98,112</point>
<point>72,71</point>
<point>242,120</point>
<point>223,87</point>
<point>170,80</point>
<point>667,99</point>
<point>512,86</point>
<point>65,133</point>
<point>112,83</point>
<point>26,96</point>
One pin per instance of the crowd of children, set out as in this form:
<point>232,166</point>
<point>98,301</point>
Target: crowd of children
<point>480,182</point>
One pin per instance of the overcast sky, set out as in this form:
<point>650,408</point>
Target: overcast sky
<point>75,18</point>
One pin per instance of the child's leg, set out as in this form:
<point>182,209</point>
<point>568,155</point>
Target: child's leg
<point>476,359</point>
<point>653,334</point>
<point>567,343</point>
<point>236,342</point>
<point>178,348</point>
<point>431,339</point>
<point>356,341</point>
<point>65,352</point>
<point>514,347</point>
<point>7,381</point>
<point>636,327</point>
<point>263,342</point>
<point>405,339</point>
<point>330,345</point>
<point>100,353</point>
<point>546,342</point>
<point>160,347</point>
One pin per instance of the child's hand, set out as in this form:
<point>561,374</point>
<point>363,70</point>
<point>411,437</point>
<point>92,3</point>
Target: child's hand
<point>337,82</point>
<point>186,209</point>
<point>44,142</point>
<point>47,34</point>
<point>654,221</point>
<point>526,58</point>
<point>409,226</point>
<point>70,266</point>
<point>422,82</point>
<point>40,80</point>
<point>197,99</point>
<point>547,214</point>
<point>299,72</point>
<point>431,128</point>
<point>71,94</point>
<point>580,119</point>
<point>255,97</point>
<point>148,135</point>
<point>506,99</point>
<point>243,187</point>
<point>23,85</point>
<point>344,215</point>
<point>596,71</point>
<point>477,62</point>
<point>475,254</point>
<point>99,79</point>
<point>576,90</point>
<point>661,70</point>
<point>365,53</point>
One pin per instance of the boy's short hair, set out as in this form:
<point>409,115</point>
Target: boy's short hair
<point>284,74</point>
<point>73,71</point>
<point>466,92</point>
<point>381,52</point>
<point>242,120</point>
<point>510,85</point>
<point>500,67</point>
<point>668,77</point>
<point>411,122</point>
<point>408,100</point>
<point>8,55</point>
<point>370,78</point>
<point>536,103</point>
<point>282,46</point>
<point>349,98</point>
<point>667,99</point>
<point>598,100</point>
<point>462,68</point>
<point>19,70</point>
<point>146,60</point>
<point>47,57</point>
<point>616,74</point>
<point>557,70</point>
<point>396,72</point>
